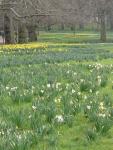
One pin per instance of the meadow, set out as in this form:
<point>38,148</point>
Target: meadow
<point>57,93</point>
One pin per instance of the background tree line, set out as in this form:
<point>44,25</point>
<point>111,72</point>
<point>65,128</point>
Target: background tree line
<point>64,14</point>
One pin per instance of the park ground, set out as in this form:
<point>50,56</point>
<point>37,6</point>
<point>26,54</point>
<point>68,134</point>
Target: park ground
<point>57,93</point>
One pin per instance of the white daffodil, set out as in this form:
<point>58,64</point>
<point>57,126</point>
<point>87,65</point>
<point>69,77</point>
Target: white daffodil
<point>34,108</point>
<point>48,85</point>
<point>88,107</point>
<point>59,118</point>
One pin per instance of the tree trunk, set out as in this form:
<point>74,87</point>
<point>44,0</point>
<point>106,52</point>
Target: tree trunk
<point>23,34</point>
<point>72,27</point>
<point>111,24</point>
<point>62,26</point>
<point>12,31</point>
<point>7,30</point>
<point>103,28</point>
<point>32,34</point>
<point>81,26</point>
<point>48,27</point>
<point>111,20</point>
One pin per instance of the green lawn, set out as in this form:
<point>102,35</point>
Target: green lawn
<point>58,96</point>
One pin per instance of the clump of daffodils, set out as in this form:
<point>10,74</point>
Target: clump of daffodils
<point>25,46</point>
<point>79,93</point>
<point>57,85</point>
<point>58,100</point>
<point>101,106</point>
<point>99,80</point>
<point>98,66</point>
<point>103,115</point>
<point>88,107</point>
<point>59,118</point>
<point>73,91</point>
<point>14,88</point>
<point>34,108</point>
<point>48,85</point>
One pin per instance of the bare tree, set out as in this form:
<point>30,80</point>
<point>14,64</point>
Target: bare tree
<point>25,16</point>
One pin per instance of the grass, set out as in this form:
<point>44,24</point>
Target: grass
<point>57,94</point>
